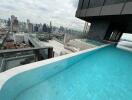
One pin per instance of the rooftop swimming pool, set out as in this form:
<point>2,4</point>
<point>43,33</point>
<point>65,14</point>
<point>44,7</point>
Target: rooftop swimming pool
<point>101,74</point>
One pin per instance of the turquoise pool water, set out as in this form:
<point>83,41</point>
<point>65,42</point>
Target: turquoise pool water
<point>105,74</point>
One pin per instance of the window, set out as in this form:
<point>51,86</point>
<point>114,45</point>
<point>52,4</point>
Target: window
<point>110,2</point>
<point>80,4</point>
<point>85,4</point>
<point>129,0</point>
<point>95,3</point>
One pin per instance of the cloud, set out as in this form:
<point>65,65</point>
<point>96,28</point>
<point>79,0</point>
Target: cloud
<point>8,7</point>
<point>42,8</point>
<point>75,3</point>
<point>43,11</point>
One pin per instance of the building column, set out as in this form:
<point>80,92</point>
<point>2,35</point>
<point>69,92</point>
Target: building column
<point>98,30</point>
<point>50,53</point>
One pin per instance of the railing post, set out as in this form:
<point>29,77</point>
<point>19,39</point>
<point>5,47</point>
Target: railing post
<point>50,52</point>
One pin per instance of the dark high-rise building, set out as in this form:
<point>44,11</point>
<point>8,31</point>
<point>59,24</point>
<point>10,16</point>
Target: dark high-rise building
<point>36,28</point>
<point>109,18</point>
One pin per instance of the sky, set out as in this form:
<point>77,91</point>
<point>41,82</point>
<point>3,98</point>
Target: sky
<point>60,12</point>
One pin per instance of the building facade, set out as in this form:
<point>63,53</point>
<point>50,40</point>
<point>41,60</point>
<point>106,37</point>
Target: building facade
<point>109,18</point>
<point>14,27</point>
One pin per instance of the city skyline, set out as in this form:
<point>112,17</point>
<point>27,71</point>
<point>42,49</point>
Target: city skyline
<point>43,11</point>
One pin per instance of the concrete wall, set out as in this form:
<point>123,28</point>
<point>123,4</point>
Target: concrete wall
<point>88,8</point>
<point>98,30</point>
<point>127,8</point>
<point>112,9</point>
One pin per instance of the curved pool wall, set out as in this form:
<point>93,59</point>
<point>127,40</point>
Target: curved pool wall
<point>15,84</point>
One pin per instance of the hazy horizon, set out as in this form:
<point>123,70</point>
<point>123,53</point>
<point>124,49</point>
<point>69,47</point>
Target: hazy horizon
<point>43,11</point>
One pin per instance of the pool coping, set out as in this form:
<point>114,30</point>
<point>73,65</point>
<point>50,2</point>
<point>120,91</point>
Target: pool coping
<point>5,76</point>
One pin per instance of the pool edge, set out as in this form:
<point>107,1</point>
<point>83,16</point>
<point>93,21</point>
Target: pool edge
<point>4,76</point>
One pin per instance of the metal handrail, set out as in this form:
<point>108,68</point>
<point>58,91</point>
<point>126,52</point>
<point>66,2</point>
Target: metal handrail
<point>23,49</point>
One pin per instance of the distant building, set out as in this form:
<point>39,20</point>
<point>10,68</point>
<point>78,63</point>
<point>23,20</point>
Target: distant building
<point>35,28</point>
<point>14,26</point>
<point>50,27</point>
<point>9,23</point>
<point>44,28</point>
<point>22,27</point>
<point>30,27</point>
<point>40,28</point>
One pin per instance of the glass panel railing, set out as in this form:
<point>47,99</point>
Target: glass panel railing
<point>17,57</point>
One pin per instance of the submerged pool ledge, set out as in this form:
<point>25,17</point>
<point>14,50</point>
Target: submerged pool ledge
<point>4,76</point>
